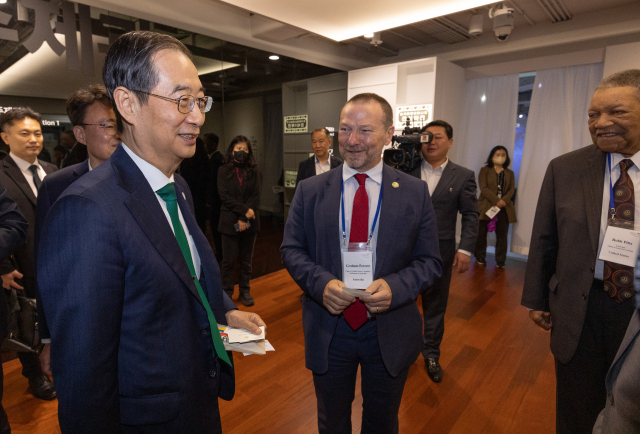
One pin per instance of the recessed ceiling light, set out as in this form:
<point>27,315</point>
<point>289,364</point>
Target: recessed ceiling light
<point>3,2</point>
<point>274,57</point>
<point>369,35</point>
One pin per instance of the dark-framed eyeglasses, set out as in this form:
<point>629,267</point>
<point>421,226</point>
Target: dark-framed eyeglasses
<point>186,102</point>
<point>109,128</point>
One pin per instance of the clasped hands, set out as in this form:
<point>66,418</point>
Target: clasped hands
<point>336,300</point>
<point>250,215</point>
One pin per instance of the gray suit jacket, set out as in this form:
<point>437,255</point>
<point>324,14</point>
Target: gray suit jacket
<point>564,245</point>
<point>622,412</point>
<point>455,192</point>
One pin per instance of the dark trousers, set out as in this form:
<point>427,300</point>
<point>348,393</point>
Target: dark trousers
<point>580,389</point>
<point>434,302</point>
<point>234,246</point>
<point>335,389</point>
<point>30,364</point>
<point>502,232</point>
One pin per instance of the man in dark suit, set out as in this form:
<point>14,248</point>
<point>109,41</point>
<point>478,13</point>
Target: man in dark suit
<point>586,302</point>
<point>21,174</point>
<point>452,189</point>
<point>94,125</point>
<point>322,161</point>
<point>77,150</point>
<point>13,234</point>
<point>216,159</point>
<point>381,331</point>
<point>128,282</point>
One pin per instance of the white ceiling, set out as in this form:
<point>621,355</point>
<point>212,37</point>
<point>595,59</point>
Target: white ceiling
<point>340,19</point>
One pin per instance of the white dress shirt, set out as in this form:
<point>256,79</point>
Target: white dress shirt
<point>157,180</point>
<point>634,174</point>
<point>24,165</point>
<point>372,185</point>
<point>322,167</point>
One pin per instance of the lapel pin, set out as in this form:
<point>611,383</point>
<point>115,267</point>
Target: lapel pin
<point>451,189</point>
<point>395,185</point>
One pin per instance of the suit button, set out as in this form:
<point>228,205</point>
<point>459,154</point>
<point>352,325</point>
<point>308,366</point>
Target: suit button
<point>204,331</point>
<point>212,373</point>
<point>584,296</point>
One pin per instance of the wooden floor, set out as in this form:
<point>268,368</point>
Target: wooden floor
<point>498,370</point>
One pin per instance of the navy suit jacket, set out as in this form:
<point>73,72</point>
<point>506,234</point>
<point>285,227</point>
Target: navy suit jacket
<point>407,258</point>
<point>130,343</point>
<point>307,168</point>
<point>50,190</point>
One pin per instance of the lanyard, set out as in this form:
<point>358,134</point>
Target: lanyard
<point>375,219</point>
<point>611,202</point>
<point>320,165</point>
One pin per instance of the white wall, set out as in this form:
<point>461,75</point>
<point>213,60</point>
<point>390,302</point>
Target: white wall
<point>621,57</point>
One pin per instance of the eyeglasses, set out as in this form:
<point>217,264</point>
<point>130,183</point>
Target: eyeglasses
<point>186,102</point>
<point>109,128</point>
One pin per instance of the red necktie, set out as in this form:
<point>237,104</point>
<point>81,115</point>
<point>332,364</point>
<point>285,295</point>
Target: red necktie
<point>356,314</point>
<point>618,279</point>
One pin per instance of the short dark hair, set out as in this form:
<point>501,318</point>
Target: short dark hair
<point>129,63</point>
<point>507,161</point>
<point>447,127</point>
<point>323,130</point>
<point>628,77</point>
<point>79,101</point>
<point>211,141</point>
<point>251,165</point>
<point>17,114</point>
<point>363,98</point>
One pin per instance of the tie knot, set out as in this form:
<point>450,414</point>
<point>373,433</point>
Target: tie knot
<point>361,178</point>
<point>626,164</point>
<point>33,168</point>
<point>168,192</point>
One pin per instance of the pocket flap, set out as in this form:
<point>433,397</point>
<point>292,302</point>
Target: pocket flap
<point>149,410</point>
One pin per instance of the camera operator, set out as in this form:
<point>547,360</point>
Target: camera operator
<point>452,189</point>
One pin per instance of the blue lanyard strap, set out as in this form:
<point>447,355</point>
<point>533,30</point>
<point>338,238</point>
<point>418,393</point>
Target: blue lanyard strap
<point>375,219</point>
<point>611,201</point>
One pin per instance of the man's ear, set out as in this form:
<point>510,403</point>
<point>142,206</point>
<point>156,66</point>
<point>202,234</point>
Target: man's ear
<point>81,137</point>
<point>127,104</point>
<point>5,137</point>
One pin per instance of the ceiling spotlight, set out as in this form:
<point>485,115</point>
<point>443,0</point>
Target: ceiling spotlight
<point>520,116</point>
<point>476,25</point>
<point>369,35</point>
<point>274,57</point>
<point>375,40</point>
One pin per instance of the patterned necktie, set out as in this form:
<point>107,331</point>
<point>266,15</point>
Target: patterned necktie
<point>168,194</point>
<point>36,179</point>
<point>618,279</point>
<point>356,314</point>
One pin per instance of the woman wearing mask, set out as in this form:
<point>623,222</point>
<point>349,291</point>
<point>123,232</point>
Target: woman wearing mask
<point>239,188</point>
<point>497,185</point>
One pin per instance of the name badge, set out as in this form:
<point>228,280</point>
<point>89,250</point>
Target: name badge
<point>357,266</point>
<point>493,211</point>
<point>621,243</point>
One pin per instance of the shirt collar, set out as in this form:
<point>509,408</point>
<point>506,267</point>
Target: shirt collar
<point>89,163</point>
<point>23,165</point>
<point>617,158</point>
<point>374,173</point>
<point>326,162</point>
<point>153,175</point>
<point>441,167</point>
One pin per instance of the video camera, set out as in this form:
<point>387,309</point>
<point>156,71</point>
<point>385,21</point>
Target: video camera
<point>406,153</point>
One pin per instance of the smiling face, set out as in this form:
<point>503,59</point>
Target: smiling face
<point>614,120</point>
<point>320,144</point>
<point>436,151</point>
<point>99,140</point>
<point>363,134</point>
<point>24,137</point>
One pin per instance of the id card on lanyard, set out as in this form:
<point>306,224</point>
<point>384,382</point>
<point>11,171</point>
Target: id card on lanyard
<point>357,258</point>
<point>621,241</point>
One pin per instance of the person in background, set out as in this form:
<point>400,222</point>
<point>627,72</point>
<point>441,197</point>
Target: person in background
<point>216,159</point>
<point>239,188</point>
<point>195,171</point>
<point>77,151</point>
<point>94,125</point>
<point>497,186</point>
<point>13,234</point>
<point>21,173</point>
<point>59,152</point>
<point>452,189</point>
<point>322,161</point>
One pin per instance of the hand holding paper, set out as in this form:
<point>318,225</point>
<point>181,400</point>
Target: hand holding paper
<point>380,298</point>
<point>335,299</point>
<point>245,320</point>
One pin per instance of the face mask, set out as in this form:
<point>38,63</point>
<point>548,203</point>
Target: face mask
<point>240,156</point>
<point>499,160</point>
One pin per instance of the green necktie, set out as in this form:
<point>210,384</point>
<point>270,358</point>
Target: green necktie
<point>168,194</point>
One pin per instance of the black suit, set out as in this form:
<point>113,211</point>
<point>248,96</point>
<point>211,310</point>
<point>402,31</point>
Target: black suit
<point>455,192</point>
<point>76,155</point>
<point>51,188</point>
<point>587,325</point>
<point>307,168</point>
<point>13,234</point>
<point>12,178</point>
